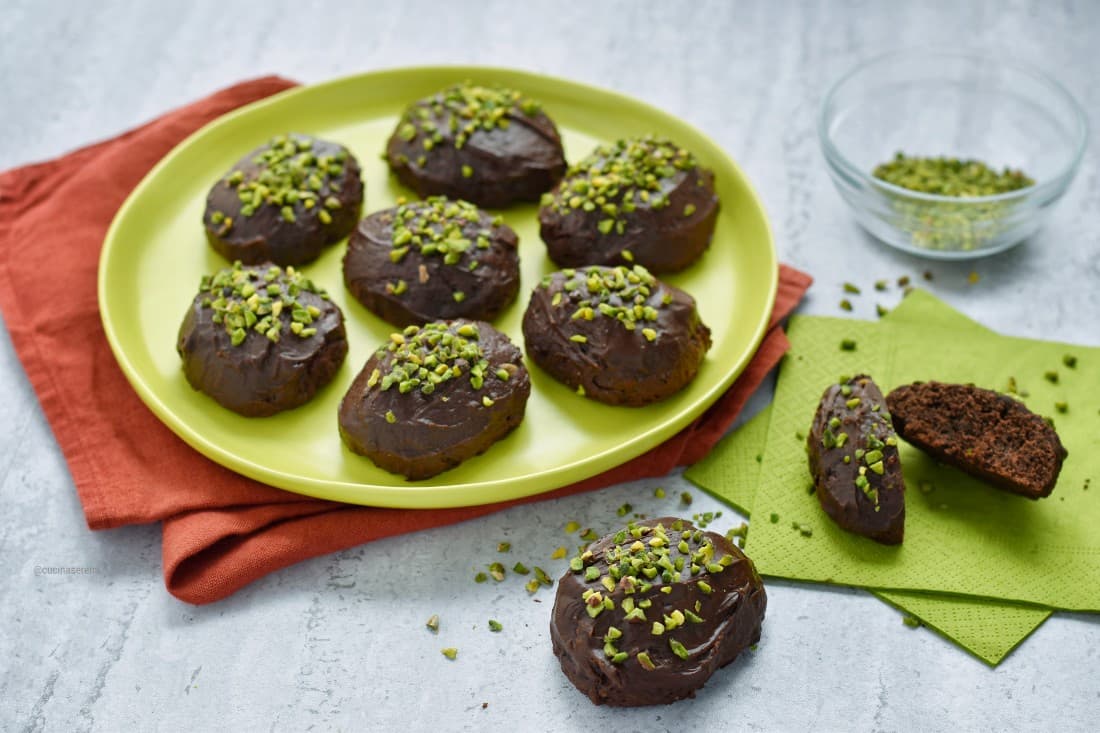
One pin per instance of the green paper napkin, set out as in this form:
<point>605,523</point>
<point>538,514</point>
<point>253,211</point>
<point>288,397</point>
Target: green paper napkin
<point>962,537</point>
<point>986,628</point>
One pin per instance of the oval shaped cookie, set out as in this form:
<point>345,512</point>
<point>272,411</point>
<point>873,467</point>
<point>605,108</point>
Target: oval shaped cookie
<point>433,260</point>
<point>615,334</point>
<point>434,396</point>
<point>284,202</point>
<point>261,339</point>
<point>643,200</point>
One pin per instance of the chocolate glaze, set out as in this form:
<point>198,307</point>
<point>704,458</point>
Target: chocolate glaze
<point>663,240</point>
<point>616,366</point>
<point>265,236</point>
<point>433,433</point>
<point>731,617</point>
<point>512,164</point>
<point>370,274</point>
<point>981,432</point>
<point>259,377</point>
<point>867,427</point>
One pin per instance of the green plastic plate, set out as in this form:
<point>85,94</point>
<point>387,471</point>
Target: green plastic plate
<point>156,252</point>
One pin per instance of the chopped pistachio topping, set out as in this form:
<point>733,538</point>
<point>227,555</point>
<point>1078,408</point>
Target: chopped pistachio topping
<point>495,625</point>
<point>848,345</point>
<point>627,294</point>
<point>453,231</point>
<point>449,652</point>
<point>520,569</point>
<point>1070,361</point>
<point>289,176</point>
<point>644,559</point>
<point>425,357</point>
<point>433,622</point>
<point>265,300</point>
<point>851,288</point>
<point>946,176</point>
<point>571,527</point>
<point>616,179</point>
<point>460,111</point>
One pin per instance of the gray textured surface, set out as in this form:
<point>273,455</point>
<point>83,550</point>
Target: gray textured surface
<point>338,642</point>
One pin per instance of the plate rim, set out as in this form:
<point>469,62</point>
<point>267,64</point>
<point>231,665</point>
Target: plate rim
<point>406,495</point>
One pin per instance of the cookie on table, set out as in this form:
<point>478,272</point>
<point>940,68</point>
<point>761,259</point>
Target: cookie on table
<point>433,260</point>
<point>284,202</point>
<point>261,339</point>
<point>854,461</point>
<point>645,616</point>
<point>434,396</point>
<point>615,334</point>
<point>488,145</point>
<point>642,200</point>
<point>981,432</point>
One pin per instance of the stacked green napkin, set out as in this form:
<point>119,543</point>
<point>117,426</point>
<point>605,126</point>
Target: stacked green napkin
<point>962,537</point>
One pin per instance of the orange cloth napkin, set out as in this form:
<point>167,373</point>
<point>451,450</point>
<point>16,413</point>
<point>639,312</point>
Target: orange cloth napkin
<point>221,530</point>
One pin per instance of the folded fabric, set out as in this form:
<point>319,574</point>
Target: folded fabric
<point>221,530</point>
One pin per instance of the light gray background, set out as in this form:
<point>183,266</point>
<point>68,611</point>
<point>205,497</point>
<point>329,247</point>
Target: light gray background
<point>338,642</point>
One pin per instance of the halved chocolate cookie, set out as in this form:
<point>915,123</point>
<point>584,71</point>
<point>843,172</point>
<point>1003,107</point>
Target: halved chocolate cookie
<point>854,461</point>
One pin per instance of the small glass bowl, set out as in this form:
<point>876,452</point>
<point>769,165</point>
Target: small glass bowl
<point>941,103</point>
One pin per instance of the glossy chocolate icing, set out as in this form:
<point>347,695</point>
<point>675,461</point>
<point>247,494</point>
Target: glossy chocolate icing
<point>729,618</point>
<point>876,510</point>
<point>371,274</point>
<point>662,239</point>
<point>615,365</point>
<point>265,236</point>
<point>505,164</point>
<point>260,377</point>
<point>430,433</point>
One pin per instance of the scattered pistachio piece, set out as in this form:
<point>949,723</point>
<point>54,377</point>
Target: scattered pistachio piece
<point>433,622</point>
<point>449,652</point>
<point>495,625</point>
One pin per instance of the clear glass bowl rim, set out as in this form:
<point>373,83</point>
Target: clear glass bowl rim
<point>1054,184</point>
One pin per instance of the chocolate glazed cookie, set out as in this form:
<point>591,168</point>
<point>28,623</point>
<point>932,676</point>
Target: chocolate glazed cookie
<point>488,145</point>
<point>642,200</point>
<point>615,334</point>
<point>434,396</point>
<point>646,615</point>
<point>433,260</point>
<point>854,462</point>
<point>284,202</point>
<point>260,340</point>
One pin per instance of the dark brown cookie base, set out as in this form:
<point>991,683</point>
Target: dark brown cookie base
<point>981,432</point>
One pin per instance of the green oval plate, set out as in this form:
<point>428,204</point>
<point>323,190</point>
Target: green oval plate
<point>156,252</point>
